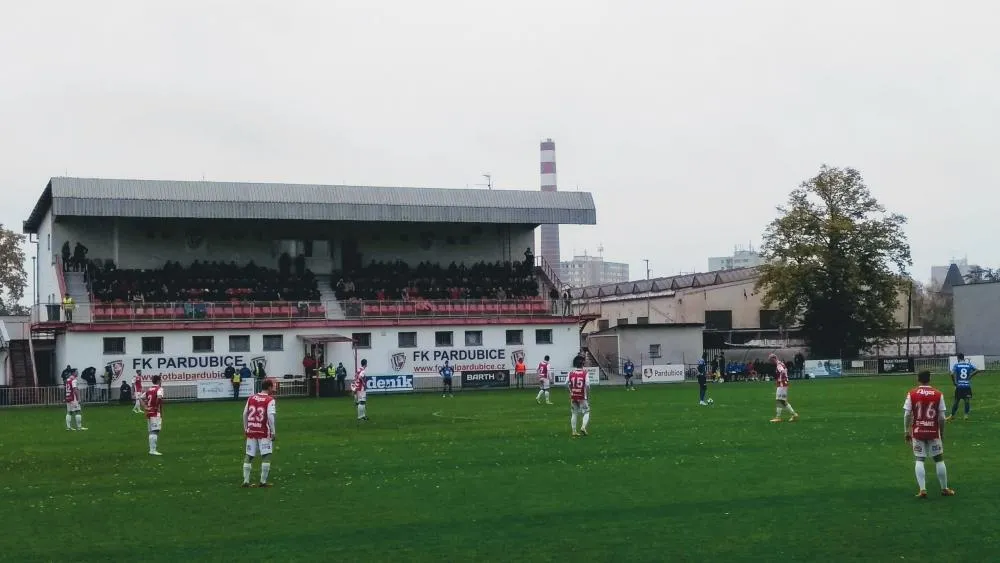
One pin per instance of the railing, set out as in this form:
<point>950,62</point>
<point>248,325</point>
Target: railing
<point>549,272</point>
<point>283,311</point>
<point>101,394</point>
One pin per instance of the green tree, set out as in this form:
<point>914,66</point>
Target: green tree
<point>933,310</point>
<point>13,278</point>
<point>835,261</point>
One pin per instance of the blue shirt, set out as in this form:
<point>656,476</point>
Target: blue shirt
<point>701,366</point>
<point>629,368</point>
<point>446,372</point>
<point>963,372</point>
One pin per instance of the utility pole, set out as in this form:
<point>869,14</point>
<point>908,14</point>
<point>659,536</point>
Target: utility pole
<point>909,317</point>
<point>489,181</point>
<point>646,260</point>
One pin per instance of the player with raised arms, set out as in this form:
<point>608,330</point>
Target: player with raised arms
<point>781,394</point>
<point>579,396</point>
<point>360,389</point>
<point>152,405</point>
<point>923,423</point>
<point>258,427</point>
<point>961,378</point>
<point>543,382</point>
<point>73,410</point>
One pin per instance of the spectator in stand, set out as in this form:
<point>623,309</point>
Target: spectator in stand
<point>68,305</point>
<point>245,375</point>
<point>567,304</point>
<point>67,257</point>
<point>554,298</point>
<point>79,257</point>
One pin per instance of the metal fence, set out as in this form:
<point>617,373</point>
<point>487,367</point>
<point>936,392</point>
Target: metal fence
<point>55,395</point>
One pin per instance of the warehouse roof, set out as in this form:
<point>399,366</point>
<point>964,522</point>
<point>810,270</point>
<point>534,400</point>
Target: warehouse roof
<point>98,197</point>
<point>672,283</point>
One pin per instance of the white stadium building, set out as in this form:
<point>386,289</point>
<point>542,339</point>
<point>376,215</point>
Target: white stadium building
<point>182,279</point>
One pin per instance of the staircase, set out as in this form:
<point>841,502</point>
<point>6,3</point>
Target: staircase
<point>20,363</point>
<point>77,288</point>
<point>334,311</point>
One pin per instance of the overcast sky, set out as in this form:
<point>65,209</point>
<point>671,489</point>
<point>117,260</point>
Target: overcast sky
<point>689,121</point>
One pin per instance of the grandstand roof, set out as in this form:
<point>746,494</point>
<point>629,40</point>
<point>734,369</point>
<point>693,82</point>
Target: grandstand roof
<point>97,197</point>
<point>672,283</point>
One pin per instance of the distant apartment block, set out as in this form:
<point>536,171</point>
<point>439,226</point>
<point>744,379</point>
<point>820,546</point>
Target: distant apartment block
<point>587,270</point>
<point>741,258</point>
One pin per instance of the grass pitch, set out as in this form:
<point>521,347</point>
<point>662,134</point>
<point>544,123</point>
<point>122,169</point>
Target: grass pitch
<point>492,476</point>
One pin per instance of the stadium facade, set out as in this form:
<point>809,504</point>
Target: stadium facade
<point>976,310</point>
<point>186,278</point>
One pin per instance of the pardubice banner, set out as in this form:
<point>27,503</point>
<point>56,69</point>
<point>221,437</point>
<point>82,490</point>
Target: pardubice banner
<point>823,368</point>
<point>560,377</point>
<point>389,383</point>
<point>664,373</point>
<point>182,370</point>
<point>486,379</point>
<point>978,361</point>
<point>895,365</point>
<point>429,362</point>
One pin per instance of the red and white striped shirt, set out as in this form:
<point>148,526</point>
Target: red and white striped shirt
<point>543,370</point>
<point>781,374</point>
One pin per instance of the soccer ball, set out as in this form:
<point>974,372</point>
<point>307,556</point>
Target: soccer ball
<point>710,401</point>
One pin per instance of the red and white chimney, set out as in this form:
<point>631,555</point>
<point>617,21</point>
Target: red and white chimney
<point>549,233</point>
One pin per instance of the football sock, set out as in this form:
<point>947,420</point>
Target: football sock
<point>360,411</point>
<point>921,475</point>
<point>968,406</point>
<point>779,411</point>
<point>79,421</point>
<point>586,420</point>
<point>942,474</point>
<point>265,468</point>
<point>701,394</point>
<point>954,408</point>
<point>69,422</point>
<point>546,396</point>
<point>790,409</point>
<point>539,396</point>
<point>572,422</point>
<point>364,411</point>
<point>152,442</point>
<point>246,472</point>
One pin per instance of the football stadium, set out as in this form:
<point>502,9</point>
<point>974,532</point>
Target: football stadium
<point>408,337</point>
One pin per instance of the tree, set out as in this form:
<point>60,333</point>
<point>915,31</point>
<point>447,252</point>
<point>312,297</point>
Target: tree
<point>13,278</point>
<point>835,261</point>
<point>933,310</point>
<point>982,275</point>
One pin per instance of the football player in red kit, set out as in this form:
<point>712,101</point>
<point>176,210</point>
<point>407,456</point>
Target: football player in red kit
<point>152,404</point>
<point>258,427</point>
<point>579,396</point>
<point>924,414</point>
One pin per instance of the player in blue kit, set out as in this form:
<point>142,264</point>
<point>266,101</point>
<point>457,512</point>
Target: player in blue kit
<point>446,373</point>
<point>961,376</point>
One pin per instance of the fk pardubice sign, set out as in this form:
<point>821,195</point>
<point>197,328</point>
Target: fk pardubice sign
<point>182,370</point>
<point>667,373</point>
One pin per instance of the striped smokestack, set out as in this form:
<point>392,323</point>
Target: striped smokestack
<point>550,233</point>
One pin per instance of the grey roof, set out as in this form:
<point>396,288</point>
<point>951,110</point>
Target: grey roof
<point>671,283</point>
<point>95,197</point>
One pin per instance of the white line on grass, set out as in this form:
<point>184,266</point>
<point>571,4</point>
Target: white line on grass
<point>439,415</point>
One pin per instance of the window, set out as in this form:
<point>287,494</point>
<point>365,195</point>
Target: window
<point>362,339</point>
<point>642,320</point>
<point>473,338</point>
<point>274,343</point>
<point>114,346</point>
<point>515,337</point>
<point>769,319</point>
<point>718,320</point>
<point>307,248</point>
<point>543,336</point>
<point>621,322</point>
<point>443,339</point>
<point>239,343</point>
<point>654,350</point>
<point>407,340</point>
<point>603,324</point>
<point>202,344</point>
<point>152,344</point>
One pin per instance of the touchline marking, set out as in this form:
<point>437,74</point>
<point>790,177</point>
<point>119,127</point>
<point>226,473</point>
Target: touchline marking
<point>439,415</point>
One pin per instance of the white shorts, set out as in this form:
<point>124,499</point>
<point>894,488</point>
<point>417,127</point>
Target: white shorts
<point>154,423</point>
<point>579,407</point>
<point>263,446</point>
<point>781,394</point>
<point>73,407</point>
<point>927,448</point>
<point>360,398</point>
<point>544,384</point>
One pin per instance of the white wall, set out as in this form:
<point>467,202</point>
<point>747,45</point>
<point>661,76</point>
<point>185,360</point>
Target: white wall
<point>4,368</point>
<point>86,349</point>
<point>48,283</point>
<point>150,243</point>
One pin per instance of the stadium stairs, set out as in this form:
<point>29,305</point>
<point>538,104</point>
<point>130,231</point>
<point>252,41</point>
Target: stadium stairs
<point>334,310</point>
<point>77,288</point>
<point>20,362</point>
